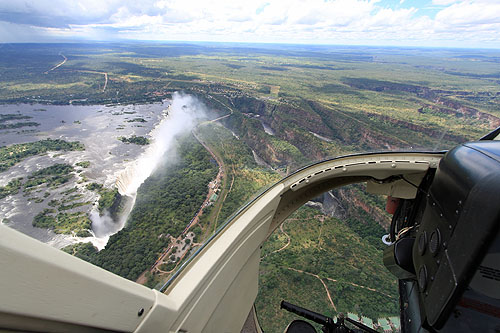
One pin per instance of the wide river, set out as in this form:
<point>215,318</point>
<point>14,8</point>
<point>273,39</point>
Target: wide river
<point>98,127</point>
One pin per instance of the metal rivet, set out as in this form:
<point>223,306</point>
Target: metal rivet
<point>393,165</point>
<point>344,169</point>
<point>141,312</point>
<point>449,227</point>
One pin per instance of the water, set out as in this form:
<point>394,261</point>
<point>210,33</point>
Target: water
<point>259,160</point>
<point>98,128</point>
<point>321,137</point>
<point>112,162</point>
<point>180,118</point>
<point>267,129</point>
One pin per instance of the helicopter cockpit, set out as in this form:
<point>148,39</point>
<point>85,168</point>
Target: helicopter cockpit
<point>443,248</point>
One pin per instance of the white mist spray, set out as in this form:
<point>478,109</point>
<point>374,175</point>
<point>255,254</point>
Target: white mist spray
<point>180,118</point>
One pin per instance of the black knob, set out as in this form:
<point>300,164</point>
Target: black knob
<point>422,243</point>
<point>422,278</point>
<point>435,242</point>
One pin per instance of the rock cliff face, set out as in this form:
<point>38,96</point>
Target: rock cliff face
<point>457,109</point>
<point>352,202</point>
<point>345,203</point>
<point>251,131</point>
<point>452,107</point>
<point>358,130</point>
<point>292,126</point>
<point>300,130</point>
<point>421,129</point>
<point>333,206</point>
<point>121,204</point>
<point>295,125</point>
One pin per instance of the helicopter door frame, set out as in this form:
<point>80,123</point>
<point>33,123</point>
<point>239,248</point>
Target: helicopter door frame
<point>213,291</point>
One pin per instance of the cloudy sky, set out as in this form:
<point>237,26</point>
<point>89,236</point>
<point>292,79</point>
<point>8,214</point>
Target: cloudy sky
<point>449,23</point>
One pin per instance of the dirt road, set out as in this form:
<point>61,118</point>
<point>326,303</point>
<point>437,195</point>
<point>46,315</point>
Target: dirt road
<point>58,65</point>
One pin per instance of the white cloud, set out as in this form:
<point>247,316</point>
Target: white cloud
<point>470,13</point>
<point>443,2</point>
<point>313,21</point>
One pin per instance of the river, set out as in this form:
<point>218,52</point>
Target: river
<point>98,128</point>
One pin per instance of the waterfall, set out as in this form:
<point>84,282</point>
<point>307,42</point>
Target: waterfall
<point>180,117</point>
<point>126,180</point>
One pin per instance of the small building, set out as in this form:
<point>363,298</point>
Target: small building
<point>395,323</point>
<point>387,328</point>
<point>384,324</point>
<point>367,321</point>
<point>383,321</point>
<point>352,316</point>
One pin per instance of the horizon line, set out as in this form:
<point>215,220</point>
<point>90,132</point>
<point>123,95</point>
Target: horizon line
<point>145,41</point>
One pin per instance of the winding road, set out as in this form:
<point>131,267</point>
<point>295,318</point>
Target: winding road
<point>324,284</point>
<point>81,71</point>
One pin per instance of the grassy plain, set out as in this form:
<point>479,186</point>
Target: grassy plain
<point>371,83</point>
<point>312,249</point>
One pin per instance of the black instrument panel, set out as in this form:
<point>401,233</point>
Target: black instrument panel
<point>460,222</point>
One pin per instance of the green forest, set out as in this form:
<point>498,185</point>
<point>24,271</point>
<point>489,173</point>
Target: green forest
<point>166,202</point>
<point>336,254</point>
<point>138,140</point>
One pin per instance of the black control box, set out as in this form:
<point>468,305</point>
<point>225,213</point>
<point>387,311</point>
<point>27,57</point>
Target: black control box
<point>460,220</point>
